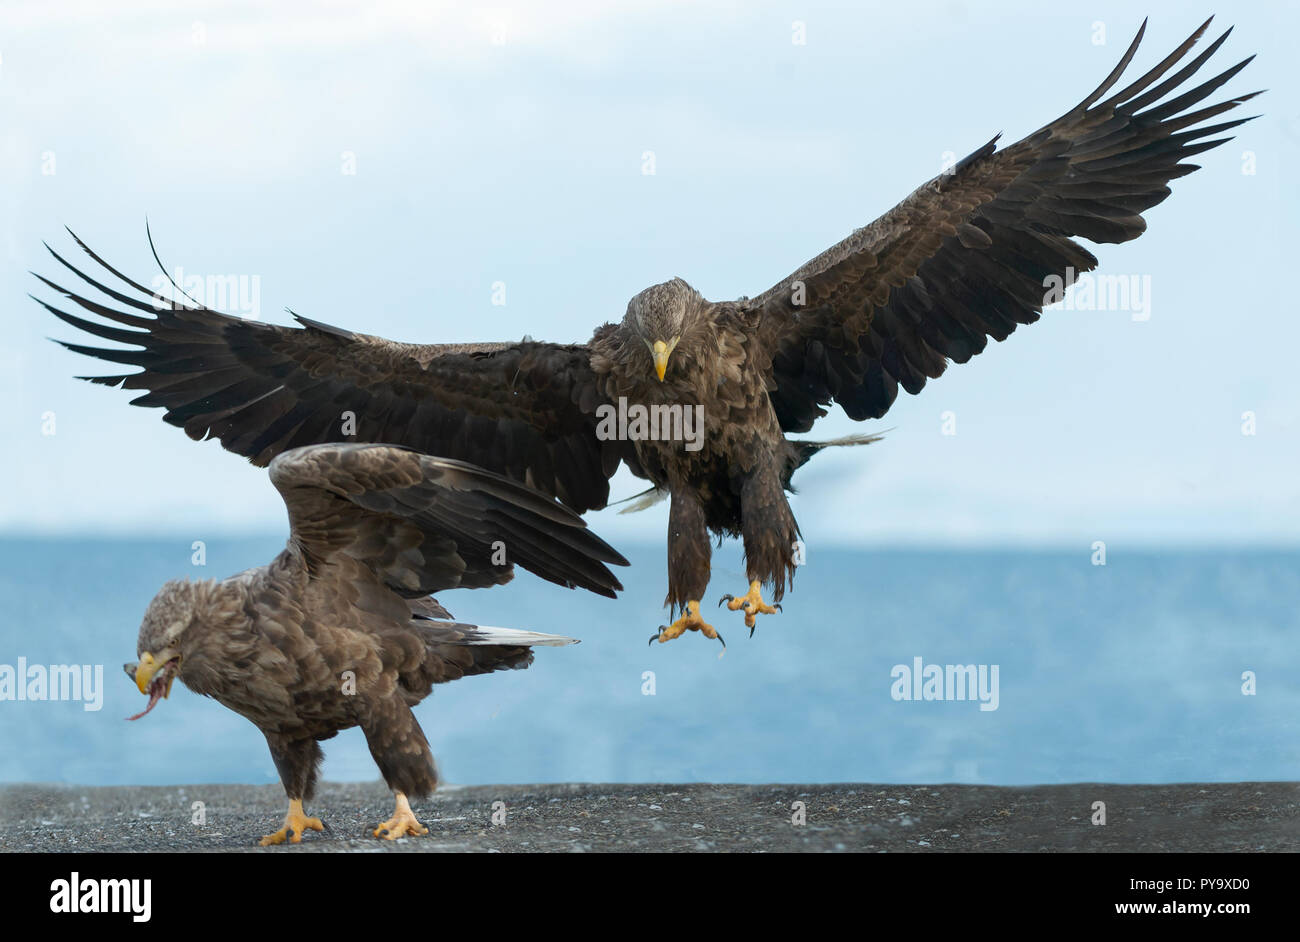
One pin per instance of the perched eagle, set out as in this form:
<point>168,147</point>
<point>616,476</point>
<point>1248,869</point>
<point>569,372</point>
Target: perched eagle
<point>969,255</point>
<point>339,629</point>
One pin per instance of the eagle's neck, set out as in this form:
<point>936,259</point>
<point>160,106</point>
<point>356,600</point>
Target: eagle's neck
<point>220,636</point>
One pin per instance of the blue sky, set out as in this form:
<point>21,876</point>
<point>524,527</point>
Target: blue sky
<point>507,144</point>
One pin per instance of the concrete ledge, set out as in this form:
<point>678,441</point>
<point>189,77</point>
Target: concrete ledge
<point>1246,816</point>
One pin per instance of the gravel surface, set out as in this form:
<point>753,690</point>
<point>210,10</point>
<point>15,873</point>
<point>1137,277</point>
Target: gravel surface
<point>1211,817</point>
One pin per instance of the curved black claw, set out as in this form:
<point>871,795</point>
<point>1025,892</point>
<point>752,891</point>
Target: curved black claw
<point>751,630</point>
<point>725,599</point>
<point>658,634</point>
<point>777,606</point>
<point>724,644</point>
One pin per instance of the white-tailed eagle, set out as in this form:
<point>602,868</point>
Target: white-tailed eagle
<point>971,254</point>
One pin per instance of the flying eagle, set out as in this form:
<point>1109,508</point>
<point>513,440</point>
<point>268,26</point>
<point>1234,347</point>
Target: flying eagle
<point>970,255</point>
<point>339,629</point>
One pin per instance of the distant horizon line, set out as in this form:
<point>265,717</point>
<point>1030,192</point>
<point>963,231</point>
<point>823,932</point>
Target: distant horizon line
<point>1206,545</point>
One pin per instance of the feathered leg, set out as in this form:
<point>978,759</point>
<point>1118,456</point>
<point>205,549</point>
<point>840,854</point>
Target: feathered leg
<point>405,760</point>
<point>770,532</point>
<point>688,567</point>
<point>298,762</point>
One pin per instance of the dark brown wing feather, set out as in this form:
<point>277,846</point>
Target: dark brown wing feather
<point>423,524</point>
<point>965,257</point>
<point>526,410</point>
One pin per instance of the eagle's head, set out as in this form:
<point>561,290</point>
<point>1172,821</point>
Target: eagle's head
<point>659,316</point>
<point>161,641</point>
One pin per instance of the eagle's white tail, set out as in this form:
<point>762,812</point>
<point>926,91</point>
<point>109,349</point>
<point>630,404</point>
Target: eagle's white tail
<point>487,634</point>
<point>643,501</point>
<point>842,441</point>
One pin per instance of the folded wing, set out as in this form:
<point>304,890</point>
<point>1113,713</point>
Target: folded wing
<point>423,524</point>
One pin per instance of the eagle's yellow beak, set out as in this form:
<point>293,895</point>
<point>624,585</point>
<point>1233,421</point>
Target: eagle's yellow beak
<point>661,351</point>
<point>145,670</point>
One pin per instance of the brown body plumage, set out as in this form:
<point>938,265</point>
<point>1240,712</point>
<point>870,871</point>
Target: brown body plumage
<point>338,631</point>
<point>734,484</point>
<point>969,255</point>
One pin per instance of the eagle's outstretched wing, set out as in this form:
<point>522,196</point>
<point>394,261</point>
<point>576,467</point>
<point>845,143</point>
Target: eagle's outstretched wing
<point>526,410</point>
<point>423,524</point>
<point>970,254</point>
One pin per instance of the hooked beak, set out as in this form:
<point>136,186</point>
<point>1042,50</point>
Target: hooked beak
<point>661,351</point>
<point>145,670</point>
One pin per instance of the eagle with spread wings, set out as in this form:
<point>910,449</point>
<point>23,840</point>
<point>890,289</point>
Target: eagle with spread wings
<point>971,254</point>
<point>340,630</point>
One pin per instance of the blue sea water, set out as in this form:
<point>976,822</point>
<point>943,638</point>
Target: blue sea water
<point>1128,672</point>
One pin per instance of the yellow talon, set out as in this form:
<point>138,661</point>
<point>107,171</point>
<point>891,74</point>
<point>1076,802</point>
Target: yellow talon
<point>295,822</point>
<point>753,604</point>
<point>402,823</point>
<point>690,621</point>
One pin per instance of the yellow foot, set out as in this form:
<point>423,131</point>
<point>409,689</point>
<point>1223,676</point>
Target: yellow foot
<point>402,823</point>
<point>690,621</point>
<point>753,604</point>
<point>295,822</point>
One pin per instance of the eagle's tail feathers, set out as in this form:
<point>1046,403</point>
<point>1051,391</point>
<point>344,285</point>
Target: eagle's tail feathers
<point>837,442</point>
<point>454,633</point>
<point>643,501</point>
<point>805,449</point>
